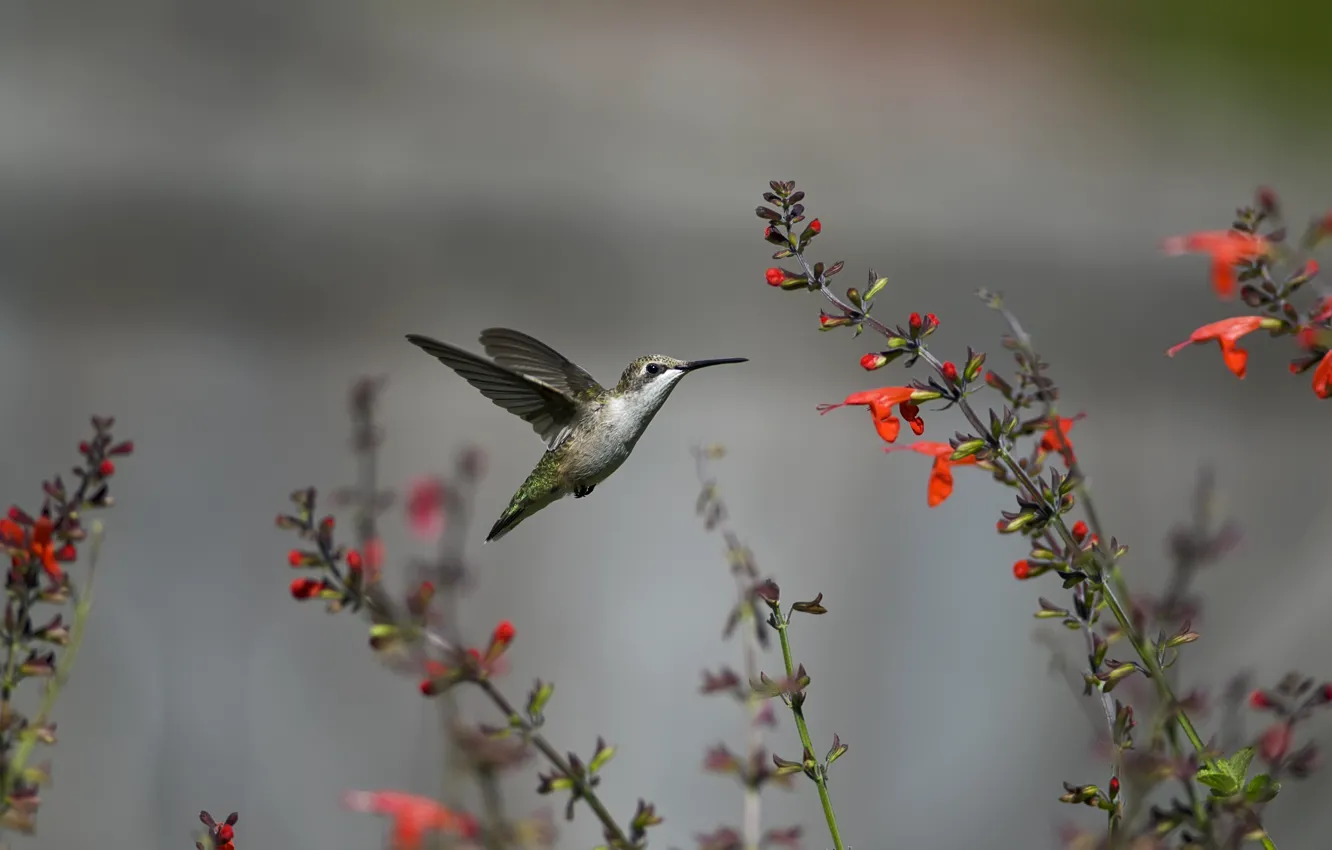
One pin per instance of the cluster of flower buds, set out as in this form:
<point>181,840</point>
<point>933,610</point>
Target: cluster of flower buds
<point>1294,699</point>
<point>468,664</point>
<point>220,836</point>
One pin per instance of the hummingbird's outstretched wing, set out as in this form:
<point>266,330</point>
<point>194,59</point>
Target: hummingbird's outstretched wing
<point>550,411</point>
<point>527,356</point>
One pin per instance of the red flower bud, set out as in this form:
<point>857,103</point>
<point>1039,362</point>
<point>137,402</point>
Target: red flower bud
<point>913,322</point>
<point>304,588</point>
<point>354,562</point>
<point>1260,700</point>
<point>932,320</point>
<point>295,558</point>
<point>775,276</point>
<point>84,448</point>
<point>504,632</point>
<point>949,372</point>
<point>124,448</point>
<point>106,469</point>
<point>816,226</point>
<point>1079,531</point>
<point>873,361</point>
<point>1114,787</point>
<point>1021,569</point>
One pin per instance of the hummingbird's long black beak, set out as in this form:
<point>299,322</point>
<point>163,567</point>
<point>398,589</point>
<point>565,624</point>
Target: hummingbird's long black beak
<point>699,364</point>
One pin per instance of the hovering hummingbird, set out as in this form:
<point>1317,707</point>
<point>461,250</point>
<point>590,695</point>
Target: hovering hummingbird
<point>589,430</point>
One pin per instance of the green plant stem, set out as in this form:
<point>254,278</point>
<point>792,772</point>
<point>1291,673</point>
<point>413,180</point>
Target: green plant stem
<point>798,712</point>
<point>581,787</point>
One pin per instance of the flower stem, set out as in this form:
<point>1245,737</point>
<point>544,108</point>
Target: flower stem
<point>581,788</point>
<point>796,702</point>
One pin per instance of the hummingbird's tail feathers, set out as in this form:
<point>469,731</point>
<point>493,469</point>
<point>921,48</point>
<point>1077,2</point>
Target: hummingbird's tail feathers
<point>538,491</point>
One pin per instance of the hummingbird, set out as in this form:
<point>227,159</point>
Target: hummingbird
<point>589,430</point>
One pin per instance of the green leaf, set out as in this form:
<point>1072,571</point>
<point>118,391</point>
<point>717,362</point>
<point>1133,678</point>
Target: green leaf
<point>875,287</point>
<point>1238,764</point>
<point>1222,784</point>
<point>1262,789</point>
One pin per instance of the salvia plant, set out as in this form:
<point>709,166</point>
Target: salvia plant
<point>1181,769</point>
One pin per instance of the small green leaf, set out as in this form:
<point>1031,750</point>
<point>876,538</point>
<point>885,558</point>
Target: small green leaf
<point>1238,764</point>
<point>875,287</point>
<point>1222,784</point>
<point>1262,789</point>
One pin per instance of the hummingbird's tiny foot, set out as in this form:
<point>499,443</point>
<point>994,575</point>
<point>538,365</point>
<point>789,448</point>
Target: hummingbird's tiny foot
<point>580,492</point>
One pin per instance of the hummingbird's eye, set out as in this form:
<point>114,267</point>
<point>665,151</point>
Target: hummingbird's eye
<point>652,368</point>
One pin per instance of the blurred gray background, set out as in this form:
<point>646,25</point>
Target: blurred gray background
<point>215,216</point>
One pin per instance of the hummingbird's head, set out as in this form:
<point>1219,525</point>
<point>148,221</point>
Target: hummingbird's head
<point>652,378</point>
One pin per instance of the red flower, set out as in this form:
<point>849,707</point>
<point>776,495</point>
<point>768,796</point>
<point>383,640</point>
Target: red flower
<point>816,226</point>
<point>36,544</point>
<point>1055,439</point>
<point>412,816</point>
<point>1260,700</point>
<point>1021,569</point>
<point>308,588</point>
<point>425,508</point>
<point>1275,742</point>
<point>880,403</point>
<point>106,469</point>
<point>872,361</point>
<point>941,472</point>
<point>1227,248</point>
<point>913,322</point>
<point>949,371</point>
<point>775,276</point>
<point>1322,378</point>
<point>1227,333</point>
<point>1079,531</point>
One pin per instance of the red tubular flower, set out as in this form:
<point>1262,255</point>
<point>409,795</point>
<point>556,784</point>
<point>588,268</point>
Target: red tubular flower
<point>35,544</point>
<point>308,588</point>
<point>774,276</point>
<point>1079,531</point>
<point>913,322</point>
<point>1021,570</point>
<point>425,508</point>
<point>941,472</point>
<point>880,403</point>
<point>1226,333</point>
<point>106,469</point>
<point>949,370</point>
<point>1055,439</point>
<point>1322,378</point>
<point>1260,700</point>
<point>816,226</point>
<point>1227,248</point>
<point>412,816</point>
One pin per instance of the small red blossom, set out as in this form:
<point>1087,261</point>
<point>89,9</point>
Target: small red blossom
<point>816,226</point>
<point>913,322</point>
<point>106,469</point>
<point>1260,700</point>
<point>1322,378</point>
<point>949,370</point>
<point>1275,742</point>
<point>1055,439</point>
<point>1226,333</point>
<point>873,360</point>
<point>931,320</point>
<point>295,558</point>
<point>881,403</point>
<point>941,471</point>
<point>1079,531</point>
<point>412,816</point>
<point>354,561</point>
<point>1227,248</point>
<point>425,508</point>
<point>1021,569</point>
<point>774,276</point>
